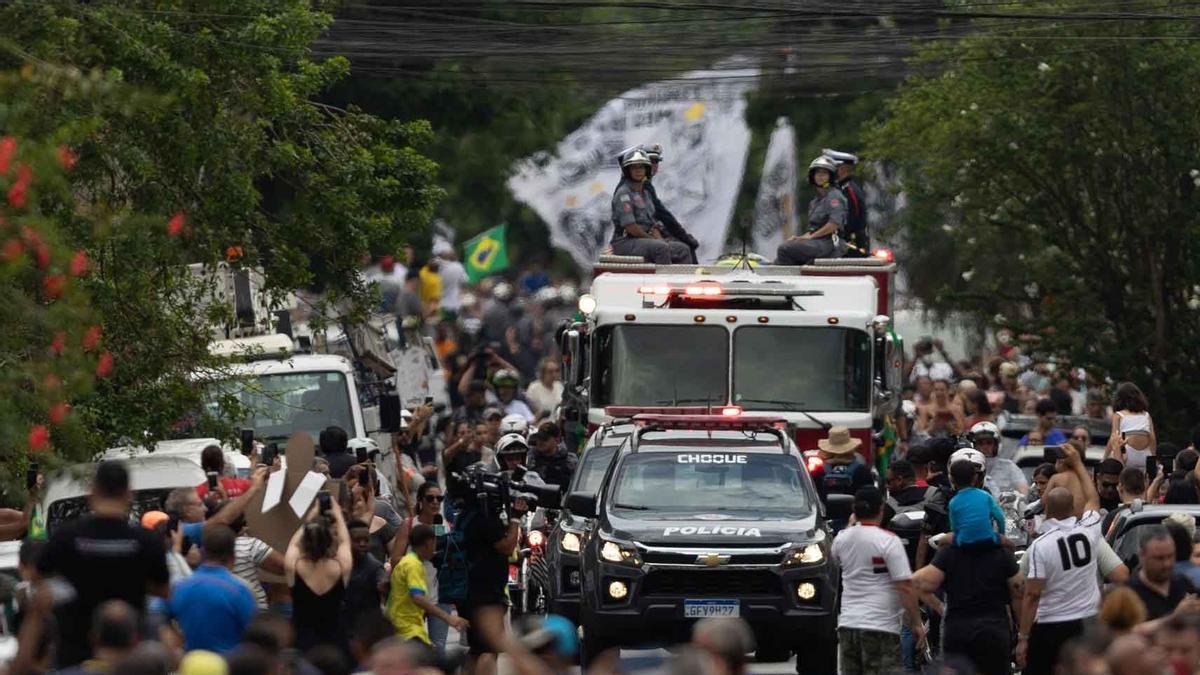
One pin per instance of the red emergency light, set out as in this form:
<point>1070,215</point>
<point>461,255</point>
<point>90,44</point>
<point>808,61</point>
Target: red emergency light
<point>731,411</point>
<point>814,462</point>
<point>698,290</point>
<point>720,422</point>
<point>626,411</point>
<point>884,254</point>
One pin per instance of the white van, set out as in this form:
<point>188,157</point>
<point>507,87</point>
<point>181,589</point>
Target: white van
<point>151,478</point>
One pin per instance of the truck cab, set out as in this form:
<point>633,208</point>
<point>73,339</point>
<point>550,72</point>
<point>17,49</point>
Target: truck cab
<point>709,516</point>
<point>813,345</point>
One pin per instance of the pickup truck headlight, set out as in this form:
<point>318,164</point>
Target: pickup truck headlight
<point>570,542</point>
<point>623,554</point>
<point>806,555</point>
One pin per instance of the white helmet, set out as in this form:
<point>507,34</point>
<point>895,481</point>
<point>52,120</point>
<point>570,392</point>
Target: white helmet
<point>970,455</point>
<point>985,428</point>
<point>821,162</point>
<point>635,157</point>
<point>511,444</point>
<point>356,443</point>
<point>514,424</point>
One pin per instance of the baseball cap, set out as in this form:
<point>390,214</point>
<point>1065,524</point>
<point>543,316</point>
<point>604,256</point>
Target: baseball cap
<point>152,519</point>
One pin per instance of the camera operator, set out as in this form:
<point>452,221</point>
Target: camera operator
<point>491,532</point>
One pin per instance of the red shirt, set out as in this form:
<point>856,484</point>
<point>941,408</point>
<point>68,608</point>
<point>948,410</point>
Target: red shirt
<point>233,487</point>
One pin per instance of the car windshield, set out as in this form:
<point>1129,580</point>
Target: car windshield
<point>72,508</point>
<point>649,365</point>
<point>592,467</point>
<point>801,367</point>
<point>712,480</point>
<point>282,404</point>
<point>1130,541</point>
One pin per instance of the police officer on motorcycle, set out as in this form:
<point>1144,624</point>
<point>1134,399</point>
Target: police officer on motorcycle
<point>1004,474</point>
<point>856,213</point>
<point>636,230</point>
<point>827,214</point>
<point>552,461</point>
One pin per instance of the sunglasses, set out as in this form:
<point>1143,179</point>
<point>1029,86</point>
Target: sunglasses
<point>434,498</point>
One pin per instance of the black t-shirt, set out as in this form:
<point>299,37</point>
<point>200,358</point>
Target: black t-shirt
<point>460,462</point>
<point>340,463</point>
<point>362,593</point>
<point>487,575</point>
<point>104,559</point>
<point>976,581</point>
<point>913,494</point>
<point>1158,606</point>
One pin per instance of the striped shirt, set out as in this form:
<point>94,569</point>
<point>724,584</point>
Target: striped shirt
<point>249,553</point>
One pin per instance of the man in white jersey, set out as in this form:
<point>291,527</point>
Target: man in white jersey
<point>1061,592</point>
<point>877,590</point>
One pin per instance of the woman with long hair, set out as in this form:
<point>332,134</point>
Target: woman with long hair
<point>1132,439</point>
<point>317,568</point>
<point>979,409</point>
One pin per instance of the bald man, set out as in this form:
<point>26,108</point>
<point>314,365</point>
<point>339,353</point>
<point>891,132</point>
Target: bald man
<point>1062,591</point>
<point>1134,655</point>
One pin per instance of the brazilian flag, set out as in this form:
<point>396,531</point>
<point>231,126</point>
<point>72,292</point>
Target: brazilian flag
<point>486,254</point>
<point>888,439</point>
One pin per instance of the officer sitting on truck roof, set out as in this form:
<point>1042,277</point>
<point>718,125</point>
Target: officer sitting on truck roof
<point>636,230</point>
<point>826,218</point>
<point>856,211</point>
<point>668,220</point>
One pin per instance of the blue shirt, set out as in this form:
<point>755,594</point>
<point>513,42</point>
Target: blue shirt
<point>213,607</point>
<point>194,532</point>
<point>1055,437</point>
<point>972,512</point>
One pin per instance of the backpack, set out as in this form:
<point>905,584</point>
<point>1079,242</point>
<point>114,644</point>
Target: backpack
<point>909,522</point>
<point>839,478</point>
<point>452,573</point>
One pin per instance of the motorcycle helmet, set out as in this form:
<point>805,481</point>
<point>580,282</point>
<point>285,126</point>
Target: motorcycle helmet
<point>985,429</point>
<point>506,378</point>
<point>512,444</point>
<point>970,455</point>
<point>514,424</point>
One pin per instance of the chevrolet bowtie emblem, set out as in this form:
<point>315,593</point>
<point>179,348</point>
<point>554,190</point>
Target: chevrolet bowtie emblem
<point>712,559</point>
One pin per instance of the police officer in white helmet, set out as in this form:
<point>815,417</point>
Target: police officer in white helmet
<point>636,230</point>
<point>1004,474</point>
<point>827,214</point>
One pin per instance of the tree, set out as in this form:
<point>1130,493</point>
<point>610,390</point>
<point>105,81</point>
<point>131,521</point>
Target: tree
<point>213,117</point>
<point>1052,190</point>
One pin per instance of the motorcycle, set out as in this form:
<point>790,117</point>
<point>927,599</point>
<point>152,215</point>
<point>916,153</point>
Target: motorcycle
<point>534,569</point>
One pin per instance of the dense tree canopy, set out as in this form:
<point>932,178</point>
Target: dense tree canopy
<point>1052,186</point>
<point>207,121</point>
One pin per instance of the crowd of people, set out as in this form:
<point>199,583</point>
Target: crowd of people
<point>941,575</point>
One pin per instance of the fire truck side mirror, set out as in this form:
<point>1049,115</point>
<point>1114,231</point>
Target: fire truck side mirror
<point>389,412</point>
<point>572,356</point>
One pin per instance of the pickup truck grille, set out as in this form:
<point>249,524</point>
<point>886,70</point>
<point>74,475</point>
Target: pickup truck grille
<point>711,583</point>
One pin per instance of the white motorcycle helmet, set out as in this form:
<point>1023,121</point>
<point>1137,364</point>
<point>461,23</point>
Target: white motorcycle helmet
<point>513,424</point>
<point>355,443</point>
<point>512,444</point>
<point>970,455</point>
<point>985,428</point>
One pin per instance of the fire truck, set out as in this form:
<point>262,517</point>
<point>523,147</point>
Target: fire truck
<point>813,345</point>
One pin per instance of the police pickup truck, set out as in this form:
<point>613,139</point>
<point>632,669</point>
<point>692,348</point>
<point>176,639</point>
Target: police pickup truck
<point>709,516</point>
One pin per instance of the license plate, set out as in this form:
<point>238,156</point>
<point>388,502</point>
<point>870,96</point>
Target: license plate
<point>703,609</point>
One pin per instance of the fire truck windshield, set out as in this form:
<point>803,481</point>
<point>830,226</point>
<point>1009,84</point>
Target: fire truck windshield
<point>650,365</point>
<point>801,367</point>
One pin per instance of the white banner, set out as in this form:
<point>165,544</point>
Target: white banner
<point>699,121</point>
<point>775,216</point>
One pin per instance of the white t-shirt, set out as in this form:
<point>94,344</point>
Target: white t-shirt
<point>1065,557</point>
<point>454,275</point>
<point>872,559</point>
<point>544,398</point>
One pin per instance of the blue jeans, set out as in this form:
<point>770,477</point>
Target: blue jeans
<point>438,630</point>
<point>907,645</point>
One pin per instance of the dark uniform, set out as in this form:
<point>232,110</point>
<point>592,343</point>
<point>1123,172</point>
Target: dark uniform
<point>830,207</point>
<point>674,229</point>
<point>635,207</point>
<point>856,219</point>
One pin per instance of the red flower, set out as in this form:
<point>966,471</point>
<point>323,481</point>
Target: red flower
<point>59,412</point>
<point>8,147</point>
<point>79,264</point>
<point>91,338</point>
<point>13,249</point>
<point>104,366</point>
<point>51,381</point>
<point>20,188</point>
<point>66,157</point>
<point>53,286</point>
<point>58,343</point>
<point>233,253</point>
<point>42,252</point>
<point>39,437</point>
<point>175,225</point>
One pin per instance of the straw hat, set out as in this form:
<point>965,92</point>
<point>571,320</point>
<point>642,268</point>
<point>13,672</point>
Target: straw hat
<point>840,442</point>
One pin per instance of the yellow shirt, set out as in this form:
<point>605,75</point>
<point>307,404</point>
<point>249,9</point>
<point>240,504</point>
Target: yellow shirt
<point>408,579</point>
<point>431,287</point>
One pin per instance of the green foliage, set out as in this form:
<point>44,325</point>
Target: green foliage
<point>1052,188</point>
<point>209,111</point>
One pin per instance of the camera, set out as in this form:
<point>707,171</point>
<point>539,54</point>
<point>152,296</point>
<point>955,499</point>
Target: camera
<point>325,501</point>
<point>495,492</point>
<point>212,480</point>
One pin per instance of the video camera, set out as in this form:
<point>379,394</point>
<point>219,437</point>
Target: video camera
<point>495,492</point>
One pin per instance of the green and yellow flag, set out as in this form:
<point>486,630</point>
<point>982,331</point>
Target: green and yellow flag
<point>486,254</point>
